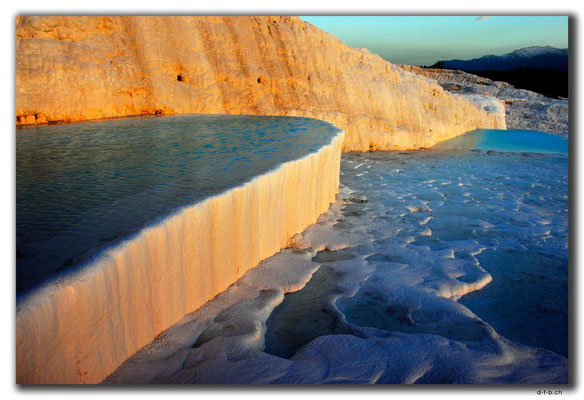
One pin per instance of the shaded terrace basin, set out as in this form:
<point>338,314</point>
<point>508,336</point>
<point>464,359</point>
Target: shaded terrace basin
<point>504,191</point>
<point>83,187</point>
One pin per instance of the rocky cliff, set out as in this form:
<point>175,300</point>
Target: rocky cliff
<point>524,109</point>
<point>78,68</point>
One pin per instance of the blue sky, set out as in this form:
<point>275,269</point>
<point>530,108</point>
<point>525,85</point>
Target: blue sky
<point>423,40</point>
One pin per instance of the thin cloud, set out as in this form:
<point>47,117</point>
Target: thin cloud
<point>482,18</point>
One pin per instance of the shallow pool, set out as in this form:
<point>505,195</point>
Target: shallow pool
<point>83,187</point>
<point>483,206</point>
<point>506,141</point>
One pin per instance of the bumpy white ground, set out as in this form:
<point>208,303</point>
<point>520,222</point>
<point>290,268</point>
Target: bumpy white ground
<point>369,293</point>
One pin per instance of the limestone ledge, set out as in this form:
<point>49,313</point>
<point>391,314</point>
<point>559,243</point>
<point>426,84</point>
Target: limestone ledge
<point>80,328</point>
<point>77,68</point>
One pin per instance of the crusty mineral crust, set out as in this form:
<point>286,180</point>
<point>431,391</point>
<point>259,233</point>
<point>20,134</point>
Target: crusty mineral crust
<point>524,109</point>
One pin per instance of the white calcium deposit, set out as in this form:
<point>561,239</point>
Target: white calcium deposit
<point>369,294</point>
<point>523,109</point>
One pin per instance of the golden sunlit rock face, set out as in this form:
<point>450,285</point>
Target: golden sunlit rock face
<point>78,68</point>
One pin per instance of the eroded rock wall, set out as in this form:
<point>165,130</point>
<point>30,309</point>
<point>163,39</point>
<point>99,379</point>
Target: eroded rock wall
<point>77,68</point>
<point>524,109</point>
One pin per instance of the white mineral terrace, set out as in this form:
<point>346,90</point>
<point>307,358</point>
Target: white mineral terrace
<point>375,291</point>
<point>80,328</point>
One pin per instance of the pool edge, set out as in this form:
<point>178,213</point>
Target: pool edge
<point>79,330</point>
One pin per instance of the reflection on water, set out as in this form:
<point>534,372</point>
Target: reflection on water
<point>83,187</point>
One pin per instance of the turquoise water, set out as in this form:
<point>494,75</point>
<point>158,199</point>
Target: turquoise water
<point>506,141</point>
<point>83,187</point>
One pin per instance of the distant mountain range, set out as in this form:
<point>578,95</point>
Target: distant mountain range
<point>528,57</point>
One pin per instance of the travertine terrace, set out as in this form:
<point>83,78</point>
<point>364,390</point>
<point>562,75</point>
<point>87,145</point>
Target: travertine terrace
<point>80,328</point>
<point>78,68</point>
